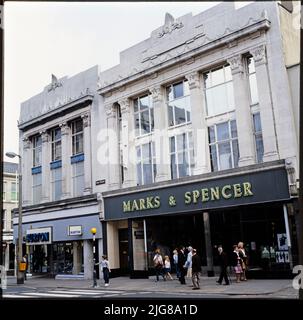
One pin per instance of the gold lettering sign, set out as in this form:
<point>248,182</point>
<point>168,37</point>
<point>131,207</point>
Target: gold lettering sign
<point>235,191</point>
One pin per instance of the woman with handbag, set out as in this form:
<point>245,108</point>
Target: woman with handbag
<point>237,262</point>
<point>158,264</point>
<point>244,259</point>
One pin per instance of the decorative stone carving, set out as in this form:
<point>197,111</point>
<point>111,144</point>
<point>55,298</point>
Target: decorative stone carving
<point>86,120</point>
<point>110,110</point>
<point>259,54</point>
<point>55,83</point>
<point>44,135</point>
<point>124,105</point>
<point>236,64</point>
<point>156,93</point>
<point>26,142</point>
<point>170,25</point>
<point>193,80</point>
<point>64,128</point>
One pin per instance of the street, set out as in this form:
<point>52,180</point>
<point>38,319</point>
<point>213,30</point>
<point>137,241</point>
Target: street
<point>125,288</point>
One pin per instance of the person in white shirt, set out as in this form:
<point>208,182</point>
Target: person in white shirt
<point>167,268</point>
<point>188,263</point>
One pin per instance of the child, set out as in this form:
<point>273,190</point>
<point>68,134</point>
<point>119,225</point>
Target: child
<point>167,268</point>
<point>105,269</point>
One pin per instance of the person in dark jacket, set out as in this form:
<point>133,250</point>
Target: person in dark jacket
<point>223,265</point>
<point>181,265</point>
<point>196,269</point>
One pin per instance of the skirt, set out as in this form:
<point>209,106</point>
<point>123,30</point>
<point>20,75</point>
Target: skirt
<point>238,269</point>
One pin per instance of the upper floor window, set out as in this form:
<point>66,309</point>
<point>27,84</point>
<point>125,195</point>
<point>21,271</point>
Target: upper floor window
<point>37,150</point>
<point>178,102</point>
<point>223,143</point>
<point>258,137</point>
<point>146,163</point>
<point>56,144</point>
<point>181,155</point>
<point>219,92</point>
<point>77,136</point>
<point>252,81</point>
<point>14,193</point>
<point>144,115</point>
<point>37,188</point>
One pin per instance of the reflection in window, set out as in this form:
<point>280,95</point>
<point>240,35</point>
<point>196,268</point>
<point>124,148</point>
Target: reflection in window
<point>258,137</point>
<point>56,144</point>
<point>219,92</point>
<point>178,102</point>
<point>37,150</point>
<point>77,136</point>
<point>181,155</point>
<point>223,144</point>
<point>146,163</point>
<point>144,115</point>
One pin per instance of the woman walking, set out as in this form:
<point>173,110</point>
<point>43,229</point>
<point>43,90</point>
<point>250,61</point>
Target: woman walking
<point>175,258</point>
<point>105,269</point>
<point>158,264</point>
<point>244,259</point>
<point>167,268</point>
<point>236,262</point>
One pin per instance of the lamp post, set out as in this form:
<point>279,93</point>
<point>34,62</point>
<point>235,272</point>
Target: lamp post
<point>94,231</point>
<point>20,274</point>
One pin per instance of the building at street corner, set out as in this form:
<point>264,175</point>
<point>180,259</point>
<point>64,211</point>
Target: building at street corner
<point>202,140</point>
<point>59,206</point>
<point>10,202</point>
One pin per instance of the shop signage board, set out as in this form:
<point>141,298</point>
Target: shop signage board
<point>251,188</point>
<point>39,236</point>
<point>74,230</point>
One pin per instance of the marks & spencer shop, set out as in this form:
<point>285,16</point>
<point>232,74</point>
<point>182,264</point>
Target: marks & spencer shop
<point>250,204</point>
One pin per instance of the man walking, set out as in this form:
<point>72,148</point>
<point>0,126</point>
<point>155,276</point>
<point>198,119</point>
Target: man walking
<point>223,265</point>
<point>196,269</point>
<point>181,265</point>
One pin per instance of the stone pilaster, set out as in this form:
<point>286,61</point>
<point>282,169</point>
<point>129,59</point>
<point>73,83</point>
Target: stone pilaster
<point>199,126</point>
<point>266,110</point>
<point>160,133</point>
<point>66,165</point>
<point>87,153</point>
<point>45,166</point>
<point>128,142</point>
<point>243,112</point>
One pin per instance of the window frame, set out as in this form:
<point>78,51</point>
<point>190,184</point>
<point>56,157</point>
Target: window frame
<point>16,191</point>
<point>35,149</point>
<point>75,177</point>
<point>257,134</point>
<point>216,144</point>
<point>34,187</point>
<point>168,102</point>
<point>151,115</point>
<point>249,74</point>
<point>75,134</point>
<point>54,143</point>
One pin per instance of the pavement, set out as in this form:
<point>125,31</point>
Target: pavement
<point>126,287</point>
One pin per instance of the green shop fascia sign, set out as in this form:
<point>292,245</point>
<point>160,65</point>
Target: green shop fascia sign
<point>257,187</point>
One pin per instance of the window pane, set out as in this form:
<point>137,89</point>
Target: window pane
<point>173,166</point>
<point>222,131</point>
<point>57,134</point>
<point>146,151</point>
<point>136,105</point>
<point>178,90</point>
<point>145,122</point>
<point>192,159</point>
<point>186,88</point>
<point>213,158</point>
<point>181,142</point>
<point>187,108</point>
<point>236,152</point>
<point>228,76</point>
<point>224,155</point>
<point>183,164</point>
<point>209,102</point>
<point>218,103</point>
<point>251,65</point>
<point>260,148</point>
<point>144,102</point>
<point>217,76</point>
<point>170,116</point>
<point>233,128</point>
<point>152,124</point>
<point>147,173</point>
<point>137,124</point>
<point>139,175</point>
<point>179,106</point>
<point>172,144</point>
<point>257,122</point>
<point>206,77</point>
<point>253,89</point>
<point>211,133</point>
<point>138,149</point>
<point>190,140</point>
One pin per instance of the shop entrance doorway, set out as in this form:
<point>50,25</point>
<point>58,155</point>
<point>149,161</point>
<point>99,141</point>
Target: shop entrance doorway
<point>123,251</point>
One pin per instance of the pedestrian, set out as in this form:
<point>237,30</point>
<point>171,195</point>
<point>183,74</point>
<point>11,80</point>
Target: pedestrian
<point>196,269</point>
<point>167,268</point>
<point>106,270</point>
<point>181,264</point>
<point>223,265</point>
<point>175,259</point>
<point>24,260</point>
<point>158,264</point>
<point>244,259</point>
<point>236,262</point>
<point>189,262</point>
